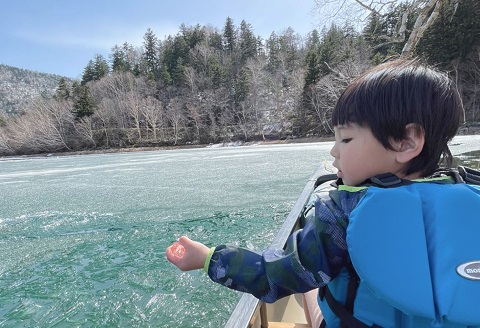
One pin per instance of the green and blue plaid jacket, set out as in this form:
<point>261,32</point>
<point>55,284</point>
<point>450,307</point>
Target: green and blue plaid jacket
<point>312,257</point>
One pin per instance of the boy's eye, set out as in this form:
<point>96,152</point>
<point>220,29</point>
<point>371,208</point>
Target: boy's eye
<point>346,140</point>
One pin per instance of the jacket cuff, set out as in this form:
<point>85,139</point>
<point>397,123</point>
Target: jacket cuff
<point>207,260</point>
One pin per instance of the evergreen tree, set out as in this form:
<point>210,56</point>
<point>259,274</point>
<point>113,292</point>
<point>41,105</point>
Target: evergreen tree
<point>76,90</point>
<point>273,52</point>
<point>84,105</point>
<point>248,42</point>
<point>313,59</point>
<point>165,76</point>
<point>181,50</point>
<point>242,86</point>
<point>215,40</point>
<point>229,35</point>
<point>132,58</point>
<point>312,73</point>
<point>260,46</point>
<point>168,57</point>
<point>178,73</point>
<point>119,60</point>
<point>193,36</point>
<point>313,40</point>
<point>89,72</point>
<point>150,55</point>
<point>372,33</point>
<point>217,73</point>
<point>332,50</point>
<point>101,67</point>
<point>289,43</point>
<point>175,58</point>
<point>63,90</point>
<point>95,69</point>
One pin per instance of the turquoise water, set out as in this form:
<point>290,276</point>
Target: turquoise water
<point>82,238</point>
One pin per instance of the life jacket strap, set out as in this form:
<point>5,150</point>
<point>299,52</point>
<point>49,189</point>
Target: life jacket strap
<point>469,175</point>
<point>345,312</point>
<point>353,283</point>
<point>347,320</point>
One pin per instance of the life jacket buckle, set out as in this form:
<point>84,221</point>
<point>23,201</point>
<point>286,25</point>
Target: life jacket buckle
<point>387,180</point>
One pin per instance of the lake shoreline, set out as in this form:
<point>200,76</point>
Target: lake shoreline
<point>156,148</point>
<point>471,129</point>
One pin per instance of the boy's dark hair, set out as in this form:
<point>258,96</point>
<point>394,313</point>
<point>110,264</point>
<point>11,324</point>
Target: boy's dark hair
<point>389,96</point>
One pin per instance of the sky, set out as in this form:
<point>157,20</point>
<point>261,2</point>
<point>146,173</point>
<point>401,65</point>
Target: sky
<point>61,36</point>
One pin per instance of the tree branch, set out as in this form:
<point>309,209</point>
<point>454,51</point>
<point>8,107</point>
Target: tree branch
<point>423,22</point>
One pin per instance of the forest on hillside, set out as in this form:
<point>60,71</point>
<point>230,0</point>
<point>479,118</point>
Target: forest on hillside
<point>206,85</point>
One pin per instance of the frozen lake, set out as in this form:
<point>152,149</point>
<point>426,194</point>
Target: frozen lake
<point>82,238</point>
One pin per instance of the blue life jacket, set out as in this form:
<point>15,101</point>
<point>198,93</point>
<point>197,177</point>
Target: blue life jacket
<point>415,259</point>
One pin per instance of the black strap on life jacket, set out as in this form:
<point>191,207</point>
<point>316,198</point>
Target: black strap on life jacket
<point>469,175</point>
<point>345,312</point>
<point>461,174</point>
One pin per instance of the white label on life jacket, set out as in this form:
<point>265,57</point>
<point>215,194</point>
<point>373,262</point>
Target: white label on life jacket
<point>469,270</point>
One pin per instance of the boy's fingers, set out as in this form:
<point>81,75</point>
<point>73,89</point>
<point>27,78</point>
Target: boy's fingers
<point>177,250</point>
<point>171,256</point>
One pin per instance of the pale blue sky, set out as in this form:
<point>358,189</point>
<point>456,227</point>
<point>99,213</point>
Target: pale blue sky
<point>61,36</point>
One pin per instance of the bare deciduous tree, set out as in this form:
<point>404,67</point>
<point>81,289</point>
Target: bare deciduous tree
<point>357,11</point>
<point>257,100</point>
<point>467,76</point>
<point>190,77</point>
<point>323,96</point>
<point>176,117</point>
<point>20,134</point>
<point>114,88</point>
<point>52,119</point>
<point>44,127</point>
<point>197,117</point>
<point>133,102</point>
<point>106,117</point>
<point>84,127</point>
<point>5,147</point>
<point>152,111</point>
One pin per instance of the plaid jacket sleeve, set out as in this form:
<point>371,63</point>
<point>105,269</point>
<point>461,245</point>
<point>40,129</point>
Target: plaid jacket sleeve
<point>312,257</point>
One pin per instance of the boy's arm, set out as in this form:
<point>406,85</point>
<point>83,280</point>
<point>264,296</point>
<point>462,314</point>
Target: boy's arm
<point>313,256</point>
<point>268,276</point>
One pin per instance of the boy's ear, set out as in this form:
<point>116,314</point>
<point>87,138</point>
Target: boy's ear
<point>411,146</point>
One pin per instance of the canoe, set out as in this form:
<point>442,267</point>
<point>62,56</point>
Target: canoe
<point>287,312</point>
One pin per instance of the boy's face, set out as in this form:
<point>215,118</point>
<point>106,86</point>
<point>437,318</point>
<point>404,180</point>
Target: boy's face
<point>359,156</point>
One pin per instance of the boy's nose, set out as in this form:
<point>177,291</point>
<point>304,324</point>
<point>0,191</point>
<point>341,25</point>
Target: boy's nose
<point>333,150</point>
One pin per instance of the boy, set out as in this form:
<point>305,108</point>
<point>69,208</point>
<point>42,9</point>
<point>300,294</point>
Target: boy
<point>394,121</point>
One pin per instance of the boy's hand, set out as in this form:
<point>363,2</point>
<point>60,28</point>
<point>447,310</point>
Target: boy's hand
<point>187,254</point>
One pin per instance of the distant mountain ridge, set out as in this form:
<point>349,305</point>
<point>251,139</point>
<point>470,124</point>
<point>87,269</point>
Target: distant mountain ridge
<point>18,85</point>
